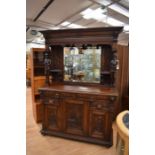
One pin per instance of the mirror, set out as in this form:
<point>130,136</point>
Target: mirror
<point>82,64</point>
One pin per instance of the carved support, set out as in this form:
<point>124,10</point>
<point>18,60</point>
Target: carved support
<point>114,65</point>
<point>47,63</point>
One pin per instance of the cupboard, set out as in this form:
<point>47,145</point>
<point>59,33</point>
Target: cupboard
<point>37,81</point>
<point>79,112</point>
<point>81,98</point>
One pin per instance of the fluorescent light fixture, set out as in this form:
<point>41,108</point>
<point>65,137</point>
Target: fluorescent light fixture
<point>55,28</point>
<point>87,11</point>
<point>75,26</point>
<point>65,23</point>
<point>98,14</point>
<point>119,9</point>
<point>114,22</point>
<point>104,2</point>
<point>126,28</point>
<point>87,14</point>
<point>94,14</point>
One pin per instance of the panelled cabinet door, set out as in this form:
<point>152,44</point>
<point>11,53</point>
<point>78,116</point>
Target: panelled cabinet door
<point>75,117</point>
<point>99,126</point>
<point>53,117</point>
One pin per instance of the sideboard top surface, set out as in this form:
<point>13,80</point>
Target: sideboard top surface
<point>81,89</point>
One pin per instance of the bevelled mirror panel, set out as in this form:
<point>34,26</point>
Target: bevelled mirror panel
<point>82,64</point>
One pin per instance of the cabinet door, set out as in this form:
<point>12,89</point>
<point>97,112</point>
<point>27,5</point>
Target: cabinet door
<point>75,117</point>
<point>100,125</point>
<point>53,117</point>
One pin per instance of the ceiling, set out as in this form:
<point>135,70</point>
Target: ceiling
<point>65,14</point>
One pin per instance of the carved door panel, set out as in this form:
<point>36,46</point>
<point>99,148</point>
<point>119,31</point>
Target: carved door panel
<point>75,117</point>
<point>99,124</point>
<point>53,117</point>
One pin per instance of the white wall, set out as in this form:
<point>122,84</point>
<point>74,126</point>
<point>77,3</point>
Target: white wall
<point>33,45</point>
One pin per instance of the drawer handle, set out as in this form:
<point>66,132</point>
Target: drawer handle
<point>50,101</point>
<point>112,98</point>
<point>56,95</point>
<point>99,106</point>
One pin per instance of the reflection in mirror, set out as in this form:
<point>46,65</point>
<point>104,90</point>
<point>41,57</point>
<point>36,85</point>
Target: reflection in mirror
<point>82,64</point>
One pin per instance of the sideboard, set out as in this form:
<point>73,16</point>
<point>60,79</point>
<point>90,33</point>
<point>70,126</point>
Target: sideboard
<point>82,113</point>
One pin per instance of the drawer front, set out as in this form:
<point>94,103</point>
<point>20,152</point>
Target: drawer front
<point>52,94</point>
<point>104,105</point>
<point>90,97</point>
<point>52,98</point>
<point>87,97</point>
<point>66,95</point>
<point>58,95</point>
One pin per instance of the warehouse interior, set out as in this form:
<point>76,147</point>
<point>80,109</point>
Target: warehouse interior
<point>67,17</point>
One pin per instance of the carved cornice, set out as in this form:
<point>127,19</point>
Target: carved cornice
<point>106,35</point>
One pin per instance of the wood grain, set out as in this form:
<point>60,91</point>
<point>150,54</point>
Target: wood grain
<point>37,144</point>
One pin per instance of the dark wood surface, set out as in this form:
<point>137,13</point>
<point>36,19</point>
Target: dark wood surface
<point>98,90</point>
<point>83,112</point>
<point>105,35</point>
<point>123,78</point>
<point>79,112</point>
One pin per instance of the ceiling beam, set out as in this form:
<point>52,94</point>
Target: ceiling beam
<point>43,10</point>
<point>27,28</point>
<point>114,1</point>
<point>127,8</point>
<point>74,14</point>
<point>44,24</point>
<point>93,1</point>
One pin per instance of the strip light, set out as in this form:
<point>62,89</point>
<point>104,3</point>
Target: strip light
<point>75,26</point>
<point>87,11</point>
<point>94,14</point>
<point>55,28</point>
<point>104,2</point>
<point>114,22</point>
<point>126,27</point>
<point>65,23</point>
<point>119,9</point>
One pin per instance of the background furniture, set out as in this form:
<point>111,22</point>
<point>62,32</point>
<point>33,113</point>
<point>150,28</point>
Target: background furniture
<point>37,81</point>
<point>28,69</point>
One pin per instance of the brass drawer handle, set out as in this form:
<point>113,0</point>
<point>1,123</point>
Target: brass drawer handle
<point>112,98</point>
<point>99,106</point>
<point>56,95</point>
<point>50,101</point>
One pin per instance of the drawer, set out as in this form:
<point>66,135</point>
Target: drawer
<point>93,97</point>
<point>51,101</point>
<point>69,95</point>
<point>52,98</point>
<point>102,105</point>
<point>52,94</point>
